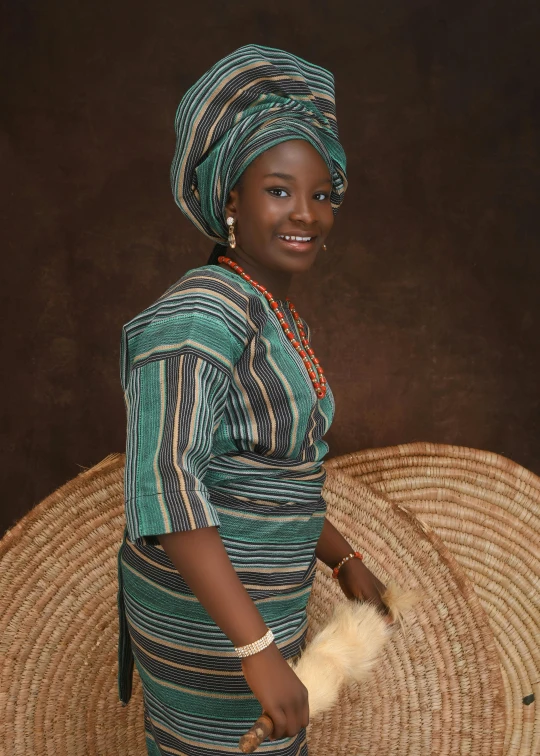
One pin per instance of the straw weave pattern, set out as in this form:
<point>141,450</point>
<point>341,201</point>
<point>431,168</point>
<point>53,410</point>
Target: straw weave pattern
<point>486,509</point>
<point>438,689</point>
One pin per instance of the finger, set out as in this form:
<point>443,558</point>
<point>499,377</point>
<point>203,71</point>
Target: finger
<point>380,603</point>
<point>293,724</point>
<point>382,608</point>
<point>280,723</point>
<point>294,718</point>
<point>375,600</point>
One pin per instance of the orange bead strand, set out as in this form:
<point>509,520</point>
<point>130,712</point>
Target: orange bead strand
<point>317,375</point>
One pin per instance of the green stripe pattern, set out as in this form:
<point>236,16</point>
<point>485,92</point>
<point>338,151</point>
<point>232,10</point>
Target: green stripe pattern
<point>248,102</point>
<point>223,429</point>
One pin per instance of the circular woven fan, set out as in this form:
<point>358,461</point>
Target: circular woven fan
<point>437,690</point>
<point>486,509</point>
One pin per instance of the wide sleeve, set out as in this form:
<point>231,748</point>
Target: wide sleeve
<point>175,398</point>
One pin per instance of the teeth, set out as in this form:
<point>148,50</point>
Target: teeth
<point>296,238</point>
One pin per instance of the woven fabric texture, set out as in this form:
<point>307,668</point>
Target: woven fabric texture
<point>248,102</point>
<point>224,429</point>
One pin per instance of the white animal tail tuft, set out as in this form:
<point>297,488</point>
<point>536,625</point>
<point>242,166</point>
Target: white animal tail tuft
<point>348,647</point>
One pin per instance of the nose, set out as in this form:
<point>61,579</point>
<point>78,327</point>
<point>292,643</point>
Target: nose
<point>303,210</point>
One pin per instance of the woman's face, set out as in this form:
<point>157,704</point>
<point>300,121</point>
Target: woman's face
<point>283,192</point>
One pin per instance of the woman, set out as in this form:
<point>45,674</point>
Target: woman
<point>227,407</point>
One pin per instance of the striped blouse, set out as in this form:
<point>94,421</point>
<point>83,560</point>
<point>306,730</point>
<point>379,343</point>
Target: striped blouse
<point>219,404</point>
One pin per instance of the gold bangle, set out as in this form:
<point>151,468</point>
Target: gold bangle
<point>256,646</point>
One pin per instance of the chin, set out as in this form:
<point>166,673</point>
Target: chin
<point>301,264</point>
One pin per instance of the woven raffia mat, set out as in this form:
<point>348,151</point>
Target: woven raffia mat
<point>486,509</point>
<point>437,689</point>
<point>58,624</point>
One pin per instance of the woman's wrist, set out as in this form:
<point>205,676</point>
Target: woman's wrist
<point>256,646</point>
<point>353,556</point>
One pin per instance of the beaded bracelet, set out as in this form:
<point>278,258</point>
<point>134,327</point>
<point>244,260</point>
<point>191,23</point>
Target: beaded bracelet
<point>335,571</point>
<point>258,645</point>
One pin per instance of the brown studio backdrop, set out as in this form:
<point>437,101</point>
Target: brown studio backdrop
<point>425,308</point>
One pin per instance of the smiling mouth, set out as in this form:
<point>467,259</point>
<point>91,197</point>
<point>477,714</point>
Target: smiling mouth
<point>297,244</point>
<point>300,239</point>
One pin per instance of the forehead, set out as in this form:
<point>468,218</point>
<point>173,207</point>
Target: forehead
<point>295,157</point>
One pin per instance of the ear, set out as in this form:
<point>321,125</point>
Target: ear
<point>231,207</point>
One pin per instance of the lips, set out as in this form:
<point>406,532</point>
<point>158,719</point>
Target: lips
<point>297,244</point>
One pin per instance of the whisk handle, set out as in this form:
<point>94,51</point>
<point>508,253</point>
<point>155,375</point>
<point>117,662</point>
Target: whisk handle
<point>258,732</point>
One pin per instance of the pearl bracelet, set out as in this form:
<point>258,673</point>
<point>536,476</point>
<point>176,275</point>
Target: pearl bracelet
<point>258,645</point>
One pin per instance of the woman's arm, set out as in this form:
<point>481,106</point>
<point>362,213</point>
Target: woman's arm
<point>355,580</point>
<point>202,560</point>
<point>332,546</point>
<point>200,557</point>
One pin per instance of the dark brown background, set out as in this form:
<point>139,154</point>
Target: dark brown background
<point>425,309</point>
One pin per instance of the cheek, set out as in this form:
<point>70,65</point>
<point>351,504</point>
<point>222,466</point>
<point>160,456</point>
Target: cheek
<point>326,219</point>
<point>261,214</point>
<point>270,216</point>
<point>274,212</point>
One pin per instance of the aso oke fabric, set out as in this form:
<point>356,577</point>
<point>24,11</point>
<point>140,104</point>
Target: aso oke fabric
<point>248,102</point>
<point>223,428</point>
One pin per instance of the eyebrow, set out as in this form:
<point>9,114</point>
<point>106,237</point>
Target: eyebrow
<point>288,177</point>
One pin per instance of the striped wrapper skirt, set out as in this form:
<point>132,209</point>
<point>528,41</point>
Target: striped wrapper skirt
<point>196,699</point>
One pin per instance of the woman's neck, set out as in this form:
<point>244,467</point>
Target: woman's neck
<point>277,282</point>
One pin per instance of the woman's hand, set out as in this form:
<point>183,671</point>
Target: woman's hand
<point>281,693</point>
<point>357,582</point>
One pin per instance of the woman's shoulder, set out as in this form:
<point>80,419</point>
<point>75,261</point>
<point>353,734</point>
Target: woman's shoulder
<point>201,292</point>
<point>207,305</point>
<point>210,282</point>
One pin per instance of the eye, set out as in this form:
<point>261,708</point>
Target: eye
<point>323,195</point>
<point>278,189</point>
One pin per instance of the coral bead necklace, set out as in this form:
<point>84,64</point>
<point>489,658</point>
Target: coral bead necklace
<point>319,381</point>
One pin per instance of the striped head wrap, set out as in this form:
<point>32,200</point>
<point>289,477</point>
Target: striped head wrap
<point>249,101</point>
